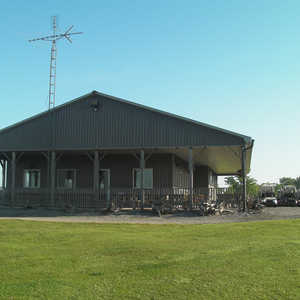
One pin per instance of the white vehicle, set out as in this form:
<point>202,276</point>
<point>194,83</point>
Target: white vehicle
<point>270,201</point>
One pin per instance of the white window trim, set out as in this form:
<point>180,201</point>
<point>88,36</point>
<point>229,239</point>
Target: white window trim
<point>39,179</point>
<point>75,179</point>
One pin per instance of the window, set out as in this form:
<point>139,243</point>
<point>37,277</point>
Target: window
<point>148,178</point>
<point>66,178</point>
<point>32,178</point>
<point>104,179</point>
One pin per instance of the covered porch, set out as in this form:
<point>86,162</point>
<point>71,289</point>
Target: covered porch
<point>181,178</point>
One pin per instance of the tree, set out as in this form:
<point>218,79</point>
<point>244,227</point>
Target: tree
<point>287,181</point>
<point>235,184</point>
<point>278,187</point>
<point>297,182</point>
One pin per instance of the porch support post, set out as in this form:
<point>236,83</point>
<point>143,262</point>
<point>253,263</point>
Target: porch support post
<point>191,179</point>
<point>244,191</point>
<point>108,199</point>
<point>142,167</point>
<point>96,176</point>
<point>173,171</point>
<point>3,173</point>
<point>13,177</point>
<point>48,158</point>
<point>52,176</point>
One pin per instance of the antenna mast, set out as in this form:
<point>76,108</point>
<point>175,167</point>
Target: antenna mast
<point>53,38</point>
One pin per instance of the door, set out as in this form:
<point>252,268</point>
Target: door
<point>104,185</point>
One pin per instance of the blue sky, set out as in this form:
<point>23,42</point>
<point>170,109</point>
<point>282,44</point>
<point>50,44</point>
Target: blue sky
<point>232,64</point>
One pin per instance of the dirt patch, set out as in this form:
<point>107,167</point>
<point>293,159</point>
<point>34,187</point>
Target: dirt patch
<point>268,213</point>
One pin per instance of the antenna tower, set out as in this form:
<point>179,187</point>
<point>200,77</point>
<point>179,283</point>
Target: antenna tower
<point>53,38</point>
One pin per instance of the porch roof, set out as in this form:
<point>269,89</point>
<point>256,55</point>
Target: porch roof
<point>223,160</point>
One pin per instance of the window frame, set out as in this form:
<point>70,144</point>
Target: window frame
<point>24,178</point>
<point>134,181</point>
<point>74,185</point>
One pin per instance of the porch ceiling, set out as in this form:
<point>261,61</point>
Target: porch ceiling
<point>223,160</point>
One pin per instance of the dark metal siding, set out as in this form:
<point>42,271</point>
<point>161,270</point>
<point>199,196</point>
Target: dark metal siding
<point>28,161</point>
<point>121,169</point>
<point>181,174</point>
<point>201,174</point>
<point>181,179</point>
<point>162,170</point>
<point>83,166</point>
<point>30,135</point>
<point>120,165</point>
<point>114,125</point>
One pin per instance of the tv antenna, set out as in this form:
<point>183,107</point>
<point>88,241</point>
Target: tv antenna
<point>53,38</point>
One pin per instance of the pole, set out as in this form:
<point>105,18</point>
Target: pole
<point>244,193</point>
<point>108,199</point>
<point>142,168</point>
<point>53,38</point>
<point>52,79</point>
<point>3,172</point>
<point>52,171</point>
<point>96,176</point>
<point>191,179</point>
<point>13,178</point>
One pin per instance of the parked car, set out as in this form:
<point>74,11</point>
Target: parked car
<point>270,201</point>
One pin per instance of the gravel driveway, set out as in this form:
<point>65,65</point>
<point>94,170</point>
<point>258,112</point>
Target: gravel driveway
<point>268,213</point>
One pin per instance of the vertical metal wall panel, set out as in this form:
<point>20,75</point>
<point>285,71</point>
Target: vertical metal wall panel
<point>34,133</point>
<point>181,173</point>
<point>116,124</point>
<point>201,175</point>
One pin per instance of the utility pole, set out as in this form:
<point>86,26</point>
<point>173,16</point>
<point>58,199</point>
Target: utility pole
<point>53,38</point>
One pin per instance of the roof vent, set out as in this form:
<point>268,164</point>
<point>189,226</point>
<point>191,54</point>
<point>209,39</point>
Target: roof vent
<point>95,105</point>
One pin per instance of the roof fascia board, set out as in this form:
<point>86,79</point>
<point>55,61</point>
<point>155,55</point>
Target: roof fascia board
<point>115,148</point>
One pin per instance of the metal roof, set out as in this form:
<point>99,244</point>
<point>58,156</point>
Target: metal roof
<point>247,139</point>
<point>122,124</point>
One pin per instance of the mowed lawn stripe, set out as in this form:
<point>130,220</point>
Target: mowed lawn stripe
<point>257,260</point>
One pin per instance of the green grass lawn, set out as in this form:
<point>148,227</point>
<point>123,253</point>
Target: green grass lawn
<point>40,260</point>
